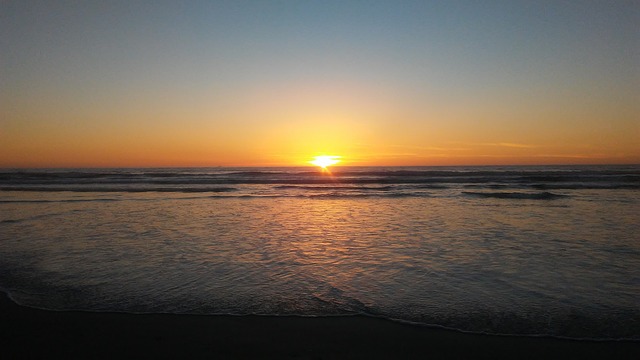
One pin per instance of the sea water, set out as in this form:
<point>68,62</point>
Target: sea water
<point>502,250</point>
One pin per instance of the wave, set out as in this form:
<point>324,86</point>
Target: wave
<point>577,325</point>
<point>58,201</point>
<point>119,189</point>
<point>597,176</point>
<point>603,186</point>
<point>344,195</point>
<point>302,187</point>
<point>516,195</point>
<point>524,182</point>
<point>331,195</point>
<point>33,218</point>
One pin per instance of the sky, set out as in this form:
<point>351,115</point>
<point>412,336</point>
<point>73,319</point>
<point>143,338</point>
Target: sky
<point>275,83</point>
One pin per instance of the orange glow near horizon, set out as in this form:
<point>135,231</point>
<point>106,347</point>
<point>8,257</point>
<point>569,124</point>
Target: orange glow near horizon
<point>289,124</point>
<point>361,130</point>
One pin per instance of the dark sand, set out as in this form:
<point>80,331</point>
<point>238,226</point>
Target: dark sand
<point>31,333</point>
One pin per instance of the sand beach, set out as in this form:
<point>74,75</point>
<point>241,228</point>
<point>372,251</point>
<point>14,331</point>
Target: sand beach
<point>39,334</point>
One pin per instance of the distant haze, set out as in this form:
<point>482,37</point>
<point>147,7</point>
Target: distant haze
<point>261,83</point>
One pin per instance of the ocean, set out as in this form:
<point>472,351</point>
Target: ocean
<point>518,250</point>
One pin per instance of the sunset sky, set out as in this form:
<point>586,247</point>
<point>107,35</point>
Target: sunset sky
<point>261,83</point>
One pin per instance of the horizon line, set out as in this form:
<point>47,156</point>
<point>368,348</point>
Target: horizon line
<point>307,166</point>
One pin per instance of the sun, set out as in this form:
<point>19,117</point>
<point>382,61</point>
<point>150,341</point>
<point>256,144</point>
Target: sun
<point>324,161</point>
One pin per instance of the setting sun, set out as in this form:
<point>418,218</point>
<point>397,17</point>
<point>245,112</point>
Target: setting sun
<point>324,161</point>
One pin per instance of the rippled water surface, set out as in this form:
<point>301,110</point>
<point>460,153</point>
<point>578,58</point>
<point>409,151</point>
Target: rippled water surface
<point>490,250</point>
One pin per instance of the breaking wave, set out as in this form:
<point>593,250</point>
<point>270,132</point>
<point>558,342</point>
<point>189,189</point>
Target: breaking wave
<point>516,195</point>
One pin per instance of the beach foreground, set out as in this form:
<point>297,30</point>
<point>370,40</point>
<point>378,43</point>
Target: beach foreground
<point>33,333</point>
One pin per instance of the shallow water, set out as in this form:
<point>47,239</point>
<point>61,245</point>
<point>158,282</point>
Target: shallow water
<point>510,250</point>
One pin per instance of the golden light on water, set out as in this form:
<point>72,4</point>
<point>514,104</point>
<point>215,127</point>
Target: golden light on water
<point>324,161</point>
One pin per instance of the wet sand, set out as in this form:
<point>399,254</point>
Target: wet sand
<point>32,333</point>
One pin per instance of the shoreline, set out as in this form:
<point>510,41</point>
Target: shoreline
<point>34,333</point>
